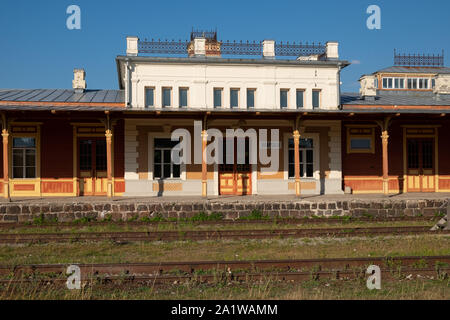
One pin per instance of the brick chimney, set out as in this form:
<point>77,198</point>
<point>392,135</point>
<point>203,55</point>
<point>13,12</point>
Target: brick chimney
<point>204,44</point>
<point>79,80</point>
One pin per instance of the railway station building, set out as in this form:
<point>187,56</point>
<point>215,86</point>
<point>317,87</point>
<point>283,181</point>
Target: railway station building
<point>391,137</point>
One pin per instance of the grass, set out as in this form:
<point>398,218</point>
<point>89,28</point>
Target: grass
<point>82,226</point>
<point>267,289</point>
<point>254,215</point>
<point>110,252</point>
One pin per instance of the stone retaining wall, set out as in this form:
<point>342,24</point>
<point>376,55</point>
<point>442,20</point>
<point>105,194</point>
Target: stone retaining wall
<point>66,212</point>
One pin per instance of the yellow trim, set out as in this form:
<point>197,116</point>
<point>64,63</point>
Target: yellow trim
<point>435,136</point>
<point>368,178</point>
<point>77,135</point>
<point>369,135</point>
<point>37,180</point>
<point>374,191</point>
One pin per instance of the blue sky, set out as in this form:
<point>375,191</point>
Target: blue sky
<point>38,51</point>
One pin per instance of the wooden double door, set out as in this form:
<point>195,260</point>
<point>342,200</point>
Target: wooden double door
<point>420,165</point>
<point>92,167</point>
<point>234,178</point>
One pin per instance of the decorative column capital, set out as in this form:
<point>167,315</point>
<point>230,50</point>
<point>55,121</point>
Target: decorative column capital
<point>385,135</point>
<point>204,135</point>
<point>296,135</point>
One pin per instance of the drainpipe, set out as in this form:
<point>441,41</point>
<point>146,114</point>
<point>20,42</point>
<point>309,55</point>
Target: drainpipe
<point>128,84</point>
<point>339,87</point>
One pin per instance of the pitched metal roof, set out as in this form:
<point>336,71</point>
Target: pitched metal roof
<point>62,95</point>
<point>396,100</point>
<point>400,69</point>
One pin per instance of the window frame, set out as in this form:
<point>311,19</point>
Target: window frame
<point>303,91</point>
<point>179,97</point>
<point>316,156</point>
<point>25,130</point>
<point>24,154</point>
<point>219,89</point>
<point>369,134</point>
<point>152,159</point>
<point>145,97</point>
<point>408,83</point>
<point>170,97</point>
<point>287,98</point>
<point>319,91</point>
<point>254,97</point>
<point>237,98</point>
<point>303,152</point>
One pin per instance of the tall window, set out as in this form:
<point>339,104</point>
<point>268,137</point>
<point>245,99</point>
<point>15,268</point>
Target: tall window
<point>251,98</point>
<point>316,99</point>
<point>149,97</point>
<point>24,158</point>
<point>388,83</point>
<point>183,97</point>
<point>399,83</point>
<point>423,83</point>
<point>163,167</point>
<point>412,83</point>
<point>234,98</point>
<point>217,97</point>
<point>306,158</point>
<point>284,98</point>
<point>300,98</point>
<point>166,97</point>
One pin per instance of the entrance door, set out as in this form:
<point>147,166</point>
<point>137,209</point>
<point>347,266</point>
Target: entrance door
<point>234,178</point>
<point>421,169</point>
<point>92,172</point>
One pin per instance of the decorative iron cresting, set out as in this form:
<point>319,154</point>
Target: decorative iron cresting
<point>164,46</point>
<point>415,60</point>
<point>241,48</point>
<point>300,49</point>
<point>245,48</point>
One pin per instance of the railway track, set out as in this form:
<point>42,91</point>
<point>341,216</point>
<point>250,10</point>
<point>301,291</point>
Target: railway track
<point>200,235</point>
<point>304,221</point>
<point>192,267</point>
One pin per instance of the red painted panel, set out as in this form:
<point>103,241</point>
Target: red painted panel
<point>56,149</point>
<point>444,184</point>
<point>57,187</point>
<point>119,186</point>
<point>24,187</point>
<point>364,185</point>
<point>119,149</point>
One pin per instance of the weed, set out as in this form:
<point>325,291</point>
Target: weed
<point>255,215</point>
<point>202,216</point>
<point>84,220</point>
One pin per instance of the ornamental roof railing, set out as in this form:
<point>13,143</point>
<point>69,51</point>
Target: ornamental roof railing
<point>416,60</point>
<point>245,48</point>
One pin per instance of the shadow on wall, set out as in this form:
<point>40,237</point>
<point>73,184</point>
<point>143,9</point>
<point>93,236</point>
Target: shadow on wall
<point>160,187</point>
